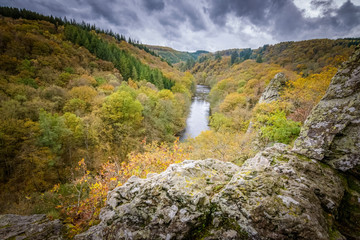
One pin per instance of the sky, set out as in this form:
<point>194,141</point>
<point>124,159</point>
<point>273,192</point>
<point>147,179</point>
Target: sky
<point>212,25</point>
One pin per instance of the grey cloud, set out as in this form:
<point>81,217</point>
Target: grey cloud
<point>222,23</point>
<point>278,17</point>
<point>183,8</point>
<point>115,12</point>
<point>154,5</point>
<point>284,21</point>
<point>348,15</point>
<point>287,20</point>
<point>49,8</point>
<point>256,11</point>
<point>172,20</point>
<point>321,3</point>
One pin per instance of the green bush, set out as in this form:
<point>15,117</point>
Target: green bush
<point>275,127</point>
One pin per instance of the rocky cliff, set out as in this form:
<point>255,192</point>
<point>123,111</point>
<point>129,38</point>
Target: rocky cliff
<point>309,192</point>
<point>331,132</point>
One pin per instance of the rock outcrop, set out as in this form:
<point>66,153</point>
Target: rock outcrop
<point>34,227</point>
<point>175,204</point>
<point>275,195</point>
<point>273,89</point>
<point>331,133</point>
<point>271,93</point>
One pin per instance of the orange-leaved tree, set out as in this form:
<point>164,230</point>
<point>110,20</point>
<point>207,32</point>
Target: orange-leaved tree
<point>305,93</point>
<point>80,202</point>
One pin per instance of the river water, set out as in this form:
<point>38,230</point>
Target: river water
<point>198,118</point>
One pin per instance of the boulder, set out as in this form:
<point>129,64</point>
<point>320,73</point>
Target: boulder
<point>34,227</point>
<point>169,205</point>
<point>279,194</point>
<point>275,195</point>
<point>349,210</point>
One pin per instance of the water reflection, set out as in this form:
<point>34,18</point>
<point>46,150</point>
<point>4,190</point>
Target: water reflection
<point>198,118</point>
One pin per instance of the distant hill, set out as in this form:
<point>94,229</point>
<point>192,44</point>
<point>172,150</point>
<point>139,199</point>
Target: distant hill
<point>173,56</point>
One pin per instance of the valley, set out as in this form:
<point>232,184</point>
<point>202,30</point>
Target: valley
<point>86,117</point>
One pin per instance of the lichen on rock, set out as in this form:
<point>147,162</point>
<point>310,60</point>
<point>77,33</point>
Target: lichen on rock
<point>36,226</point>
<point>282,199</point>
<point>331,132</point>
<point>274,195</point>
<point>171,205</point>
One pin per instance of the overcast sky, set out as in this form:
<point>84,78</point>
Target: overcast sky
<point>190,25</point>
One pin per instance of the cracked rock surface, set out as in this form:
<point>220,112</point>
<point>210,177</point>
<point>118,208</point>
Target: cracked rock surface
<point>34,227</point>
<point>274,195</point>
<point>331,133</point>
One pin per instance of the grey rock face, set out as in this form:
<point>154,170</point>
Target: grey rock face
<point>281,195</point>
<point>331,133</point>
<point>273,196</point>
<point>349,210</point>
<point>169,205</point>
<point>272,91</point>
<point>29,227</point>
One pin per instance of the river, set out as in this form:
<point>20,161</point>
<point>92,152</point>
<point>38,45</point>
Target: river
<point>198,118</point>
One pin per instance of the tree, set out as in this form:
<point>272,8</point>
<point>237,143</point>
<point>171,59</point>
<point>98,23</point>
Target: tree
<point>219,122</point>
<point>217,56</point>
<point>122,116</point>
<point>234,57</point>
<point>53,129</point>
<point>259,59</point>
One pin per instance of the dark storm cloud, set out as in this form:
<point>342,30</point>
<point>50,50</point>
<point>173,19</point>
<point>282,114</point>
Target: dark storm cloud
<point>154,5</point>
<point>44,7</point>
<point>278,17</point>
<point>257,11</point>
<point>172,20</point>
<point>191,13</point>
<point>321,3</point>
<point>287,20</point>
<point>348,15</point>
<point>284,20</point>
<point>182,11</point>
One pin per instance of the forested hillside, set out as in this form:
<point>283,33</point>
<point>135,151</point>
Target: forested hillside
<point>69,92</point>
<point>173,56</point>
<point>238,78</point>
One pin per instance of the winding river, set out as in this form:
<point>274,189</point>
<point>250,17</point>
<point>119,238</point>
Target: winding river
<point>198,118</point>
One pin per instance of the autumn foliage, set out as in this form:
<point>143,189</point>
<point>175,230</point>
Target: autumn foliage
<point>80,201</point>
<point>60,102</point>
